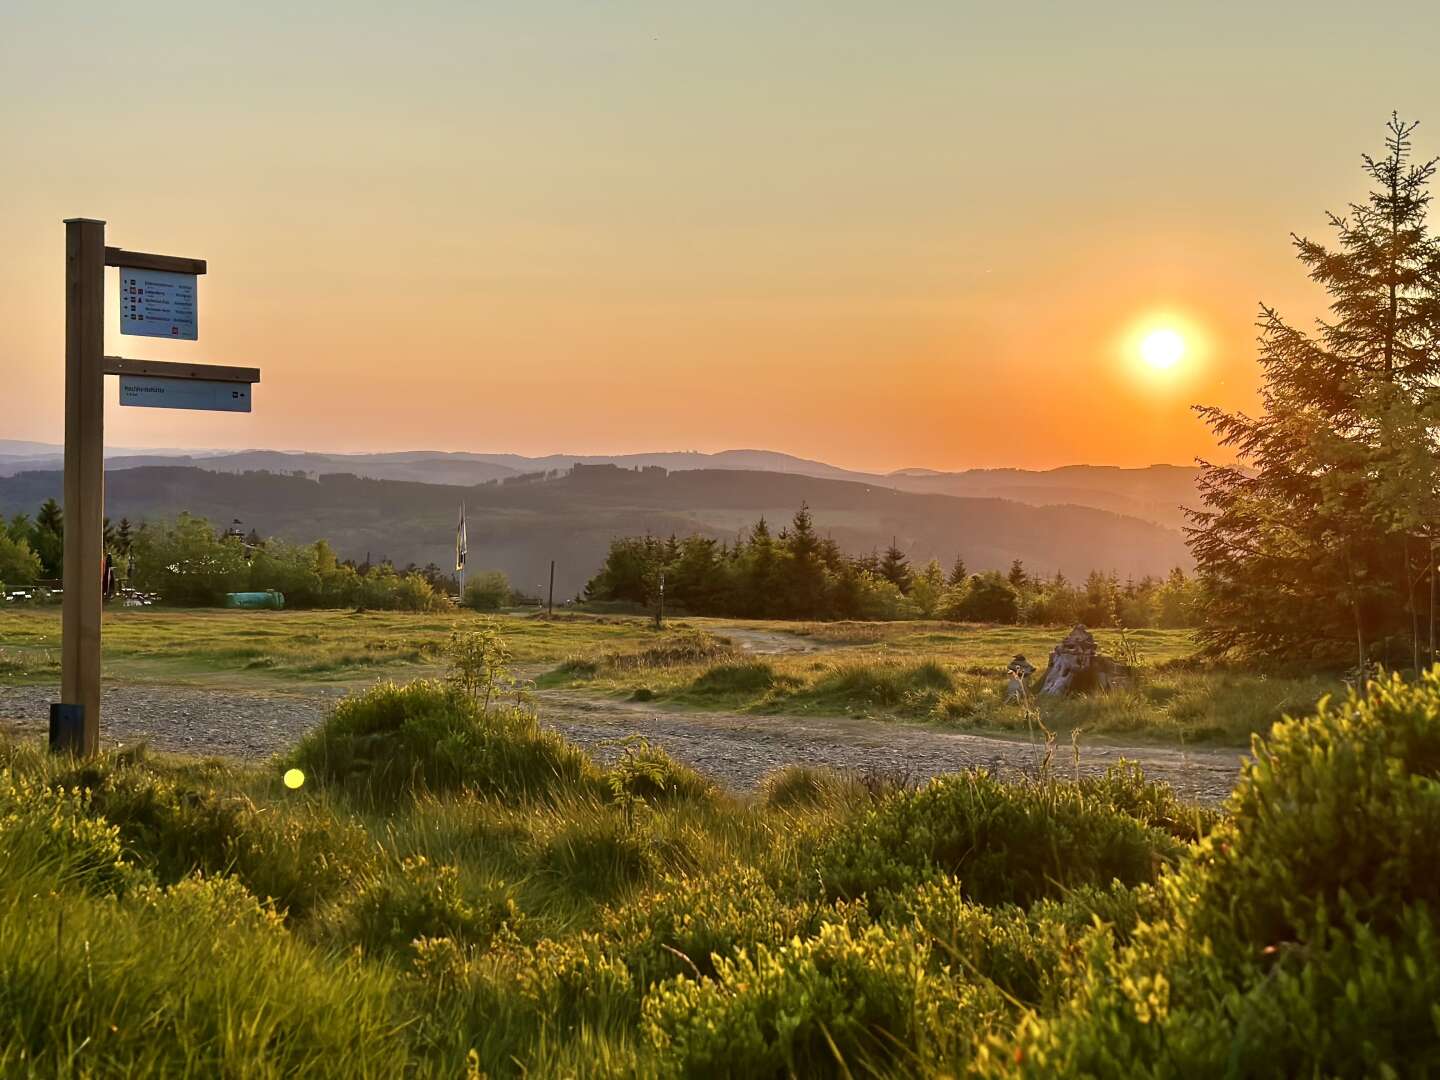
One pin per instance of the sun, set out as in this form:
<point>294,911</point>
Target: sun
<point>1162,349</point>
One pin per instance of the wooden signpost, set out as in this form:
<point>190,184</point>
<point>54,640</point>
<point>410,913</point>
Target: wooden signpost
<point>157,299</point>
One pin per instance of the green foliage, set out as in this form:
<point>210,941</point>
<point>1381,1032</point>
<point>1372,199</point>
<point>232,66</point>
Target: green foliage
<point>18,564</point>
<point>645,773</point>
<point>392,742</point>
<point>1310,547</point>
<point>1030,928</point>
<point>741,676</point>
<point>1007,843</point>
<point>420,900</point>
<point>836,1004</point>
<point>488,590</point>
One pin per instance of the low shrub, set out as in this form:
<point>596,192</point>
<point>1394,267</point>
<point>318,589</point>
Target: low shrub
<point>836,1004</point>
<point>422,900</point>
<point>679,928</point>
<point>739,677</point>
<point>392,742</point>
<point>675,647</point>
<point>53,835</point>
<point>801,787</point>
<point>648,774</point>
<point>1006,842</point>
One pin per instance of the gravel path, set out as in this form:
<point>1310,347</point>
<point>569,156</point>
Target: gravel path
<point>734,748</point>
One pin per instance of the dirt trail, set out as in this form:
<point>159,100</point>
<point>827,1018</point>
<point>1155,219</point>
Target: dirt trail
<point>736,749</point>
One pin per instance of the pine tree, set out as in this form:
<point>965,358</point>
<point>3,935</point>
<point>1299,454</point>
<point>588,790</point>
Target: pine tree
<point>959,574</point>
<point>1312,534</point>
<point>895,568</point>
<point>1017,576</point>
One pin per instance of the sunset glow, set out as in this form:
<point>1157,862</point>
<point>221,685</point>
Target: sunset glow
<point>570,227</point>
<point>1162,349</point>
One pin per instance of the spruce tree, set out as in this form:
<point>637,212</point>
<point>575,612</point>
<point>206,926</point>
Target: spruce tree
<point>959,574</point>
<point>895,568</point>
<point>1310,539</point>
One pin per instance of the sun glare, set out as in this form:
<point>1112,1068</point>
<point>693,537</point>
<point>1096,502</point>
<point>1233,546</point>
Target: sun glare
<point>1162,349</point>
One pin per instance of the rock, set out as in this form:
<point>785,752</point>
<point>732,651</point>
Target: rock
<point>1076,667</point>
<point>1019,671</point>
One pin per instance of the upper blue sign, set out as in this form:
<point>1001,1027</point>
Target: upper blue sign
<point>157,303</point>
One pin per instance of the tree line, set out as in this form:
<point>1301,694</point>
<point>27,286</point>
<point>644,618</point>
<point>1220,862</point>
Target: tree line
<point>799,574</point>
<point>188,562</point>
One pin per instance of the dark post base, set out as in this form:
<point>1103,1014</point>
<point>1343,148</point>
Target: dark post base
<point>67,729</point>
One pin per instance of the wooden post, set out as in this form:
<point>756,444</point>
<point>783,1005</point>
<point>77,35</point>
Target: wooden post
<point>550,606</point>
<point>84,485</point>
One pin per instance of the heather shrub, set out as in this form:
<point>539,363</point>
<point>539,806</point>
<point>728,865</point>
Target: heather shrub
<point>422,900</point>
<point>1006,842</point>
<point>836,1004</point>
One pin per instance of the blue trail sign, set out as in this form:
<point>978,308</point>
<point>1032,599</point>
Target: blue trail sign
<point>184,394</point>
<point>158,303</point>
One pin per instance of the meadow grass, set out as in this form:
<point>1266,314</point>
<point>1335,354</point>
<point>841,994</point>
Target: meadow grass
<point>268,648</point>
<point>944,673</point>
<point>954,675</point>
<point>504,906</point>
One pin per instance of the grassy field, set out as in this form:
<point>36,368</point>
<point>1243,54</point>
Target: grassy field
<point>270,648</point>
<point>941,673</point>
<point>455,893</point>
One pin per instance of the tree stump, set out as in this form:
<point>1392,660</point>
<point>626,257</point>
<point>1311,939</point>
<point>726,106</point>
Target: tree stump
<point>1077,667</point>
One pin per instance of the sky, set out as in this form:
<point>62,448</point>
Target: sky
<point>896,235</point>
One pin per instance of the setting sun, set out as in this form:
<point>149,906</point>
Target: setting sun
<point>1162,348</point>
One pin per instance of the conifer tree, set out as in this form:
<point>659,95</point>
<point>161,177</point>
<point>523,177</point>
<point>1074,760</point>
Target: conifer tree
<point>1313,533</point>
<point>959,574</point>
<point>895,568</point>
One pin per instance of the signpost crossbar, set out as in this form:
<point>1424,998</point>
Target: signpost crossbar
<point>144,260</point>
<point>164,369</point>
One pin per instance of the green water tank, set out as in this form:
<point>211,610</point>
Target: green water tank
<point>268,599</point>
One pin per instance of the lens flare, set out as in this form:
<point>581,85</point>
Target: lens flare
<point>294,778</point>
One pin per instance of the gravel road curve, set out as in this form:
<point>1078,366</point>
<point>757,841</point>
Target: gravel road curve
<point>735,749</point>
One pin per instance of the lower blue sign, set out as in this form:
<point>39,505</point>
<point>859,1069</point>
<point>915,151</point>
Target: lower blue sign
<point>184,394</point>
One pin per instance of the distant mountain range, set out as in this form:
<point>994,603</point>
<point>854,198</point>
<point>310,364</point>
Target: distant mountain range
<point>529,513</point>
<point>1155,493</point>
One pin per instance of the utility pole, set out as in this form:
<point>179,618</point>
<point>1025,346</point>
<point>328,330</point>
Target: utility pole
<point>550,605</point>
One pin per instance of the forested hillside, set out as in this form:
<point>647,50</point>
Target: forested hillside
<point>519,525</point>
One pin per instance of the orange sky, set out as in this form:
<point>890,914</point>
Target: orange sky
<point>881,235</point>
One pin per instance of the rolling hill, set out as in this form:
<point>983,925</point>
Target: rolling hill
<point>1155,493</point>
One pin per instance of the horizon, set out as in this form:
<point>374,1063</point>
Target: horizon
<point>794,229</point>
<point>162,451</point>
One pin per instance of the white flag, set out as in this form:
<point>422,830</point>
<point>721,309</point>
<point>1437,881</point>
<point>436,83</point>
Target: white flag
<point>460,548</point>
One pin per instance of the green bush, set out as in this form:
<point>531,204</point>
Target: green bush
<point>489,590</point>
<point>1006,842</point>
<point>836,1004</point>
<point>392,742</point>
<point>422,900</point>
<point>648,774</point>
<point>739,677</point>
<point>54,835</point>
<point>1343,803</point>
<point>680,927</point>
<point>297,855</point>
<point>194,980</point>
<point>1298,937</point>
<point>801,786</point>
